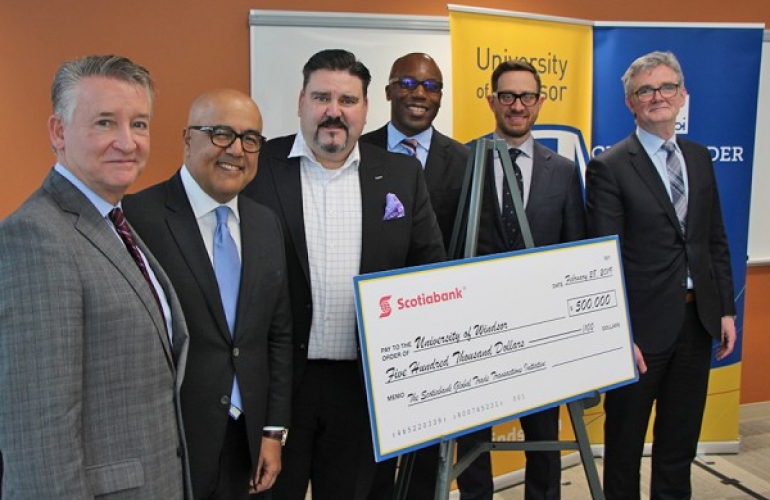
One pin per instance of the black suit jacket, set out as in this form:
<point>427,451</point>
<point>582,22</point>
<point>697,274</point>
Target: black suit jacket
<point>627,197</point>
<point>386,244</point>
<point>444,172</point>
<point>260,349</point>
<point>554,208</point>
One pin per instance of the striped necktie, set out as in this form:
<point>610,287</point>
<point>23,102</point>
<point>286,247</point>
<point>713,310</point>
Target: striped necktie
<point>676,182</point>
<point>119,221</point>
<point>410,145</point>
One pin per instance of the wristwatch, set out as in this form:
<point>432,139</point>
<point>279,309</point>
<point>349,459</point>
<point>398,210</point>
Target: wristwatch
<point>278,435</point>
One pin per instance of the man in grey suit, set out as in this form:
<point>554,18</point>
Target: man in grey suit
<point>237,388</point>
<point>92,338</point>
<point>553,201</point>
<point>658,193</point>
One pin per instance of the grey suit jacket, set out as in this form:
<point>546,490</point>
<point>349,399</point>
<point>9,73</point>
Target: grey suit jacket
<point>87,377</point>
<point>554,208</point>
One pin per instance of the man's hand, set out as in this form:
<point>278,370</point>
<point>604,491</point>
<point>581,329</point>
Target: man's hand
<point>639,360</point>
<point>269,466</point>
<point>728,337</point>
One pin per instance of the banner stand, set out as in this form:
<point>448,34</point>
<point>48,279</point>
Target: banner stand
<point>470,202</point>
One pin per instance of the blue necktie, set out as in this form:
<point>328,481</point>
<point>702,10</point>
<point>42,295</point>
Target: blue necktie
<point>227,267</point>
<point>410,145</point>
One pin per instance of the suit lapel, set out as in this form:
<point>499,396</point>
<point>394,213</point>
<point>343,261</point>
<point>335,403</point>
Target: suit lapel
<point>96,230</point>
<point>643,165</point>
<point>542,170</point>
<point>373,181</point>
<point>185,232</point>
<point>436,164</point>
<point>288,185</point>
<point>695,181</point>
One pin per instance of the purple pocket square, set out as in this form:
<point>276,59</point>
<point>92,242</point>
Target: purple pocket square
<point>394,209</point>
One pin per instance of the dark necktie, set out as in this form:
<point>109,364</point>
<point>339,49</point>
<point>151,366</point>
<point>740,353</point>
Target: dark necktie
<point>508,212</point>
<point>227,268</point>
<point>411,146</point>
<point>119,220</point>
<point>676,182</point>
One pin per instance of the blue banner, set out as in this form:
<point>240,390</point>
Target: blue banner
<point>721,70</point>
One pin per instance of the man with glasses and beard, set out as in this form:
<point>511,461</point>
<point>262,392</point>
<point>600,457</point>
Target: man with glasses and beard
<point>347,208</point>
<point>553,202</point>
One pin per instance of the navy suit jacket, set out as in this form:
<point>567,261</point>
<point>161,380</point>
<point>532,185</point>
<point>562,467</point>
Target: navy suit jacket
<point>259,350</point>
<point>444,172</point>
<point>627,197</point>
<point>410,240</point>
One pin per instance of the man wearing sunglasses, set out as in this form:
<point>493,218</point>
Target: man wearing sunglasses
<point>224,255</point>
<point>415,90</point>
<point>550,188</point>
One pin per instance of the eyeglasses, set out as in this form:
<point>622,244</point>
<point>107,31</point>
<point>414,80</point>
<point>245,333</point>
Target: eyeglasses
<point>409,83</point>
<point>528,99</point>
<point>667,91</point>
<point>223,137</point>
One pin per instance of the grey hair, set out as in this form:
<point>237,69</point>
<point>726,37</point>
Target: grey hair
<point>71,73</point>
<point>648,62</point>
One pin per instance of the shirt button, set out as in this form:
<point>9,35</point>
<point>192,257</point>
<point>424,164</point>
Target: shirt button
<point>225,400</point>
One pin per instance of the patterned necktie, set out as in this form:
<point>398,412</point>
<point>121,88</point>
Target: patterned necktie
<point>508,213</point>
<point>227,268</point>
<point>411,147</point>
<point>676,181</point>
<point>119,221</point>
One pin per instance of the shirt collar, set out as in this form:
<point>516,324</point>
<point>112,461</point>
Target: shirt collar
<point>651,142</point>
<point>527,148</point>
<point>201,203</point>
<point>102,205</point>
<point>300,149</point>
<point>395,137</point>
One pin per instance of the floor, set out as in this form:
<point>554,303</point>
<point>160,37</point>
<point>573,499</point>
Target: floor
<point>745,476</point>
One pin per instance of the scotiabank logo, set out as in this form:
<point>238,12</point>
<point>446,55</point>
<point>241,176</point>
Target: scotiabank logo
<point>421,300</point>
<point>385,306</point>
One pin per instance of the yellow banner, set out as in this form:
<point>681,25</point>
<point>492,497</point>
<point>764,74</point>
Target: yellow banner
<point>560,51</point>
<point>562,54</point>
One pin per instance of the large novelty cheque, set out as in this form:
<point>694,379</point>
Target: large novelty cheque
<point>454,347</point>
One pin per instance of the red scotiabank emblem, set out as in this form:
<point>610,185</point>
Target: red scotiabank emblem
<point>385,306</point>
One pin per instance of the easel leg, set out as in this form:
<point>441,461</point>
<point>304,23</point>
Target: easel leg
<point>584,446</point>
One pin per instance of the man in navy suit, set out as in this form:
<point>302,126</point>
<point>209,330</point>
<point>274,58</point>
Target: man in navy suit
<point>658,193</point>
<point>237,389</point>
<point>414,91</point>
<point>553,202</point>
<point>329,191</point>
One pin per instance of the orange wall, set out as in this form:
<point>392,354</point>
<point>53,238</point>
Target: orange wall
<point>193,45</point>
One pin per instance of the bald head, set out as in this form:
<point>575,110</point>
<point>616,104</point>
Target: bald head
<point>221,142</point>
<point>415,58</point>
<point>412,110</point>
